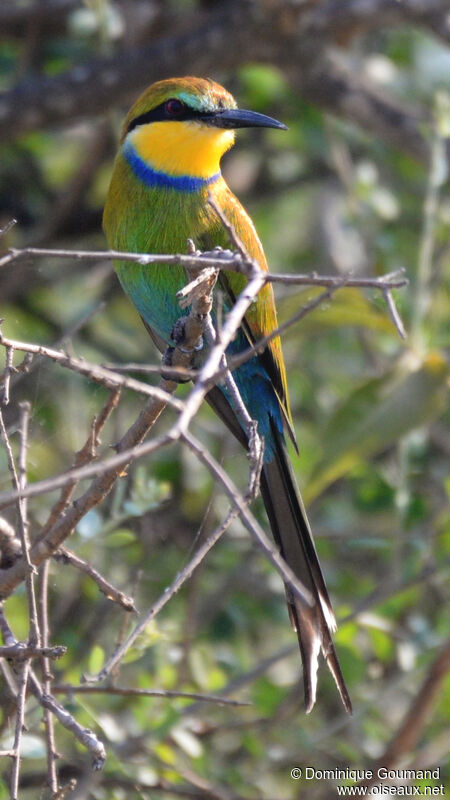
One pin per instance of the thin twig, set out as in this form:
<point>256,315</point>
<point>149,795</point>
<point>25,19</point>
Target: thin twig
<point>34,637</point>
<point>94,372</point>
<point>68,557</point>
<point>132,692</point>
<point>205,280</point>
<point>226,260</point>
<point>188,409</point>
<point>84,735</point>
<point>21,651</point>
<point>52,775</point>
<point>207,259</point>
<point>248,519</point>
<point>6,228</point>
<point>19,487</point>
<point>232,235</point>
<point>87,453</point>
<point>255,451</point>
<point>259,346</point>
<point>189,332</point>
<point>395,316</point>
<point>87,738</point>
<point>9,355</point>
<point>167,595</point>
<point>20,717</point>
<point>172,373</point>
<point>31,361</point>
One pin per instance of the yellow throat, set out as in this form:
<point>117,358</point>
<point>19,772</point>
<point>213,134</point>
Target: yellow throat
<point>182,148</point>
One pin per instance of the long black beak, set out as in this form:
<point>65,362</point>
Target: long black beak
<point>240,118</point>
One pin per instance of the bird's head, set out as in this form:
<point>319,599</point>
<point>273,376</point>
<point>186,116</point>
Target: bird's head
<point>183,126</point>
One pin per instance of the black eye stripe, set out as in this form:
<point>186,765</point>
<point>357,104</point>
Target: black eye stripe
<point>160,114</point>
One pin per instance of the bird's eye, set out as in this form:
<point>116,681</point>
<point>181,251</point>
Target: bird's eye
<point>174,108</point>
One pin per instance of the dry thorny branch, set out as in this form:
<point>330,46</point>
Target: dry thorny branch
<point>25,557</point>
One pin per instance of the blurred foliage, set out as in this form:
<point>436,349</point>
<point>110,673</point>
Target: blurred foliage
<point>369,414</point>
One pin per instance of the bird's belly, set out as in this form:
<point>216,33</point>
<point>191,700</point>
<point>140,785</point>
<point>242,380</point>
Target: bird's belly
<point>152,290</point>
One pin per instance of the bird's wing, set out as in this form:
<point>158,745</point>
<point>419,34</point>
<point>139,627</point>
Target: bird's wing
<point>261,318</point>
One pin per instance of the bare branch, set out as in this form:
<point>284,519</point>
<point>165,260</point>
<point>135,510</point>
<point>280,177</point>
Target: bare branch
<point>232,235</point>
<point>219,259</point>
<point>19,484</point>
<point>189,332</point>
<point>20,717</point>
<point>395,316</point>
<point>86,454</point>
<point>249,520</point>
<point>93,371</point>
<point>370,601</point>
<point>132,692</point>
<point>167,595</point>
<point>84,735</point>
<point>52,773</point>
<point>87,738</point>
<point>21,651</point>
<point>68,557</point>
<point>205,379</point>
<point>6,228</point>
<point>214,258</point>
<point>31,362</point>
<point>4,399</point>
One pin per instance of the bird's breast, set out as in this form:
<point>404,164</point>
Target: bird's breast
<point>145,218</point>
<point>180,149</point>
<point>145,171</point>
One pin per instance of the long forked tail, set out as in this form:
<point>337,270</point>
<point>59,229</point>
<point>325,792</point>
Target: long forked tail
<point>290,527</point>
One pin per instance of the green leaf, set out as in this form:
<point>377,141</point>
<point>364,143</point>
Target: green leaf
<point>96,659</point>
<point>122,537</point>
<point>378,414</point>
<point>145,640</point>
<point>382,644</point>
<point>204,669</point>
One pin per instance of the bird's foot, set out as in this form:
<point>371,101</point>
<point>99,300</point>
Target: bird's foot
<point>184,342</point>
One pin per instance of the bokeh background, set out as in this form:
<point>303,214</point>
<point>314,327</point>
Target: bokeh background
<point>358,184</point>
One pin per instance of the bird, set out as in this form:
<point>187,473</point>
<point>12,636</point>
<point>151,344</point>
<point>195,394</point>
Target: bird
<point>166,168</point>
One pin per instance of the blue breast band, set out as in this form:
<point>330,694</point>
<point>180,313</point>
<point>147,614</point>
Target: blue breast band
<point>155,179</point>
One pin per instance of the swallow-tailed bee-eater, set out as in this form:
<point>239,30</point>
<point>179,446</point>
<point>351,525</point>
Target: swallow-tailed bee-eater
<point>168,162</point>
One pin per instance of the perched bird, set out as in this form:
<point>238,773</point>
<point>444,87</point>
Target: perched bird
<point>169,160</point>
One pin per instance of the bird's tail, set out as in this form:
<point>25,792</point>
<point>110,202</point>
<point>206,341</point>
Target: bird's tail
<point>290,527</point>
